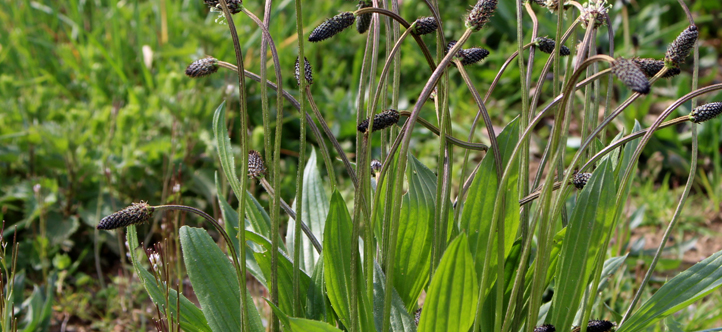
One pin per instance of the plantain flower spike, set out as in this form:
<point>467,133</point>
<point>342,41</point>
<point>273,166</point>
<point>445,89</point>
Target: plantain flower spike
<point>137,213</point>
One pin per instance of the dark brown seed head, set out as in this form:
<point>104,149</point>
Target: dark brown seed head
<point>417,316</point>
<point>234,6</point>
<point>651,67</point>
<point>633,77</point>
<point>681,47</point>
<point>580,180</point>
<point>425,25</point>
<point>480,14</point>
<point>137,213</point>
<point>706,112</point>
<point>547,45</point>
<point>332,26</point>
<point>451,45</point>
<point>376,166</point>
<point>256,167</point>
<point>545,328</point>
<point>307,72</point>
<point>382,121</point>
<point>364,20</point>
<point>202,67</point>
<point>600,326</point>
<point>472,55</point>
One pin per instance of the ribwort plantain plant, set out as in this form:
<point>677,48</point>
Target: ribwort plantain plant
<point>484,254</point>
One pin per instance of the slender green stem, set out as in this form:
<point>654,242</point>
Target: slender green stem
<point>244,157</point>
<point>306,230</point>
<point>401,167</point>
<point>453,140</point>
<point>231,249</point>
<point>485,114</point>
<point>690,178</point>
<point>264,89</point>
<point>324,152</point>
<point>397,18</point>
<point>299,178</point>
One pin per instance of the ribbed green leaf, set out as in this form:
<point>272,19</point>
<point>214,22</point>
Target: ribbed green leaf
<point>678,293</point>
<point>285,272</point>
<point>191,318</point>
<point>413,247</point>
<point>316,295</point>
<point>225,151</point>
<point>214,282</point>
<point>588,227</point>
<point>315,209</point>
<point>478,210</point>
<point>230,218</point>
<point>337,266</point>
<point>401,321</point>
<point>291,324</point>
<point>450,303</point>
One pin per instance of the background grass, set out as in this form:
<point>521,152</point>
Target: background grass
<point>96,112</point>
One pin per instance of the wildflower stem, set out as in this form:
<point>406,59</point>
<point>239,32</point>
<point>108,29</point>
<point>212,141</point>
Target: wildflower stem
<point>485,114</point>
<point>244,160</point>
<point>299,177</point>
<point>406,25</point>
<point>306,230</point>
<point>401,167</point>
<point>218,227</point>
<point>312,125</point>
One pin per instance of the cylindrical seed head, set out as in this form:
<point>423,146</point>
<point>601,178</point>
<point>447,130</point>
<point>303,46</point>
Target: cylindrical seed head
<point>547,45</point>
<point>650,67</point>
<point>307,72</point>
<point>425,25</point>
<point>480,14</point>
<point>234,6</point>
<point>256,168</point>
<point>382,121</point>
<point>202,67</point>
<point>600,326</point>
<point>451,45</point>
<point>633,77</point>
<point>332,26</point>
<point>417,316</point>
<point>364,20</point>
<point>545,328</point>
<point>472,55</point>
<point>376,166</point>
<point>137,213</point>
<point>681,47</point>
<point>706,112</point>
<point>580,180</point>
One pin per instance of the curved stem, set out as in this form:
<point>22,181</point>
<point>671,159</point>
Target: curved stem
<point>218,227</point>
<point>314,129</point>
<point>458,142</point>
<point>533,123</point>
<point>406,25</point>
<point>326,156</point>
<point>244,157</point>
<point>306,230</point>
<point>402,158</point>
<point>535,193</point>
<point>485,115</point>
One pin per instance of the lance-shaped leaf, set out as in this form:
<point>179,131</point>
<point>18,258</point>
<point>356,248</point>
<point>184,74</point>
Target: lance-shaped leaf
<point>450,304</point>
<point>337,266</point>
<point>315,209</point>
<point>416,220</point>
